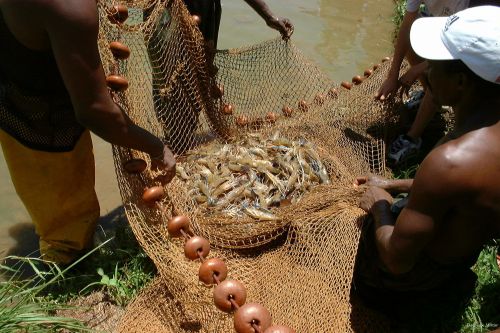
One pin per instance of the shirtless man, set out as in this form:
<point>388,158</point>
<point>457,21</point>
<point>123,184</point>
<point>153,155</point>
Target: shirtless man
<point>53,88</point>
<point>454,200</point>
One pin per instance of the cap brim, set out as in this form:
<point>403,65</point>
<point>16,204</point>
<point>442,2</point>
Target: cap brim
<point>425,38</point>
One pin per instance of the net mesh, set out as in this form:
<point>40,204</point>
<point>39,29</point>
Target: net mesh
<point>300,265</point>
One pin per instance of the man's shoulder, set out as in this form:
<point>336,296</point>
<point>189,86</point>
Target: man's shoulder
<point>73,16</point>
<point>465,163</point>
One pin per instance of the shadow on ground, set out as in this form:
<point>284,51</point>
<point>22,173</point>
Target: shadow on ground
<point>26,239</point>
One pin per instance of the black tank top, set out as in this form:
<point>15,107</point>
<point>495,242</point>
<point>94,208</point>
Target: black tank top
<point>35,107</point>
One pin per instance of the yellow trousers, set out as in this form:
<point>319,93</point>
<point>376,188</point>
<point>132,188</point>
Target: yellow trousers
<point>57,189</point>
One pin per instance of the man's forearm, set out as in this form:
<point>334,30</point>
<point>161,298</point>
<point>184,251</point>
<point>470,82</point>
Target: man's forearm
<point>400,185</point>
<point>261,8</point>
<point>116,128</point>
<point>384,226</point>
<point>402,43</point>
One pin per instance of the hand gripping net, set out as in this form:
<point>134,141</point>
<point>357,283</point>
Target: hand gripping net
<point>299,266</point>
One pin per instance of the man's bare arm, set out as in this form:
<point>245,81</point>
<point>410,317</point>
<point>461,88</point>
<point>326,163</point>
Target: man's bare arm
<point>73,37</point>
<point>394,186</point>
<point>283,25</point>
<point>390,85</point>
<point>435,188</point>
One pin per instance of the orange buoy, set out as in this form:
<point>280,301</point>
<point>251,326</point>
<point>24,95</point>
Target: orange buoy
<point>303,106</point>
<point>242,121</point>
<point>118,14</point>
<point>117,82</point>
<point>347,85</point>
<point>196,19</point>
<point>227,109</point>
<point>119,50</point>
<point>271,117</point>
<point>319,99</point>
<point>357,79</point>
<point>287,111</point>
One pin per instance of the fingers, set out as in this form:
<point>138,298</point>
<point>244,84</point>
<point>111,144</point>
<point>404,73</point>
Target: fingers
<point>289,28</point>
<point>382,96</point>
<point>284,26</point>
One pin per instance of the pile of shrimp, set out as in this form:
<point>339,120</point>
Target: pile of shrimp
<point>253,175</point>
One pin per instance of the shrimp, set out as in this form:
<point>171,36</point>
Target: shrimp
<point>260,214</point>
<point>234,195</point>
<point>224,187</point>
<point>276,182</point>
<point>181,172</point>
<point>258,152</point>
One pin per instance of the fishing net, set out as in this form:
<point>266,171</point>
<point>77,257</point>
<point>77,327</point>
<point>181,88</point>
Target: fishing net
<point>299,265</point>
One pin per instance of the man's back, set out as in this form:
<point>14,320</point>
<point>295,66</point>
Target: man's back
<point>473,217</point>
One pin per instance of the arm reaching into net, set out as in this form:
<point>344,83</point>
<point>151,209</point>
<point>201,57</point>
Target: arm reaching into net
<point>437,187</point>
<point>391,84</point>
<point>283,25</point>
<point>73,38</point>
<point>394,186</point>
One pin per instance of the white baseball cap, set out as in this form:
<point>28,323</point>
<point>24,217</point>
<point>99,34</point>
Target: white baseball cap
<point>471,35</point>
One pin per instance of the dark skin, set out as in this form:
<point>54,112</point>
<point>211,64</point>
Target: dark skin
<point>454,203</point>
<point>283,25</point>
<point>72,36</point>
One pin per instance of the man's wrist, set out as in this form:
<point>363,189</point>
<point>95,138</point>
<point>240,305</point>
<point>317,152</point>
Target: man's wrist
<point>158,153</point>
<point>380,210</point>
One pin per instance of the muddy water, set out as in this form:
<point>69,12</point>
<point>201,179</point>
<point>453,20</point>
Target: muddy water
<point>341,36</point>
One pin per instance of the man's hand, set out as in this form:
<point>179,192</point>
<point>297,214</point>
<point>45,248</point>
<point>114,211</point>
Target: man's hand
<point>166,164</point>
<point>283,25</point>
<point>375,200</point>
<point>388,88</point>
<point>373,180</point>
<point>411,75</point>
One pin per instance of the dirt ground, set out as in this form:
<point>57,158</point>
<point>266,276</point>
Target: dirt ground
<point>96,311</point>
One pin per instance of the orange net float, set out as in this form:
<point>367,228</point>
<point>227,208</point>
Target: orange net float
<point>177,225</point>
<point>250,315</point>
<point>118,14</point>
<point>119,50</point>
<point>242,121</point>
<point>135,165</point>
<point>333,93</point>
<point>196,19</point>
<point>117,82</point>
<point>152,195</point>
<point>196,247</point>
<point>212,269</point>
<point>303,106</point>
<point>271,117</point>
<point>357,79</point>
<point>319,99</point>
<point>347,85</point>
<point>227,109</point>
<point>227,292</point>
<point>287,111</point>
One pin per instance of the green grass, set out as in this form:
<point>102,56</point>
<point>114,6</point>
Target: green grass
<point>483,312</point>
<point>397,17</point>
<point>22,306</point>
<point>120,268</point>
